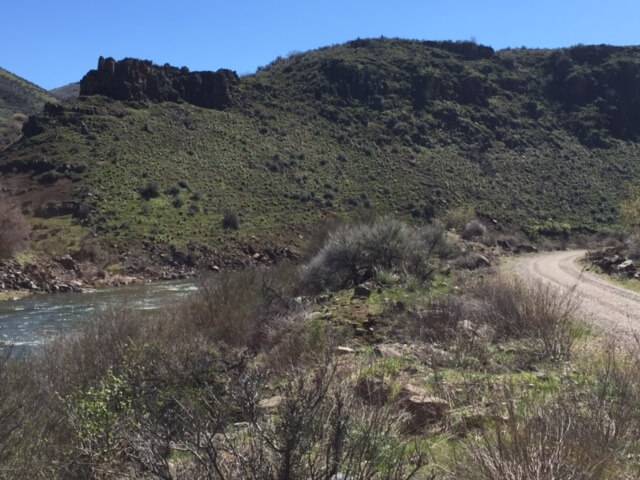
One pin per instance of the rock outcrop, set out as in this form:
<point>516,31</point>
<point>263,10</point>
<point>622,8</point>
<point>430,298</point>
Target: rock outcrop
<point>141,80</point>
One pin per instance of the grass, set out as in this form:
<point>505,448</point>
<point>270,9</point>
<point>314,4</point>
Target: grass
<point>56,236</point>
<point>13,295</point>
<point>297,149</point>
<point>628,283</point>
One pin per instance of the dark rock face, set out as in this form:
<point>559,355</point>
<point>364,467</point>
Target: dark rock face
<point>132,79</point>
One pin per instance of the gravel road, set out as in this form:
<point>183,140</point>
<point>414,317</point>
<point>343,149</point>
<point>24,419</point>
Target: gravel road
<point>615,309</point>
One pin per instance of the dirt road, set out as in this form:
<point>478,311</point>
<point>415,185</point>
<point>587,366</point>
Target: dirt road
<point>615,309</point>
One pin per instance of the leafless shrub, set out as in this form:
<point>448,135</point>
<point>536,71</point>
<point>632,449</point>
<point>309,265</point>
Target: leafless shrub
<point>497,309</point>
<point>238,308</point>
<point>547,442</point>
<point>585,432</point>
<point>10,407</point>
<point>14,228</point>
<point>352,254</point>
<point>315,430</point>
<point>531,310</point>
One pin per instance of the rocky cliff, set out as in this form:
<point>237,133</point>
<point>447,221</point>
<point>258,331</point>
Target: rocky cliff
<point>132,79</point>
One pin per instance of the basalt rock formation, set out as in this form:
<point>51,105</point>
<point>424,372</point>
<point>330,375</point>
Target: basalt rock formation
<point>141,80</point>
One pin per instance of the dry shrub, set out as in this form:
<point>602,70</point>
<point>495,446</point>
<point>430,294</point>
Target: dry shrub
<point>586,432</point>
<point>560,440</point>
<point>632,244</point>
<point>353,254</point>
<point>473,229</point>
<point>315,430</point>
<point>237,308</point>
<point>498,309</point>
<point>14,229</point>
<point>528,310</point>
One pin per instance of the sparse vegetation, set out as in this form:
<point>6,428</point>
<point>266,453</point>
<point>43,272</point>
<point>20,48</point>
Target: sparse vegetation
<point>249,379</point>
<point>372,359</point>
<point>404,128</point>
<point>14,228</point>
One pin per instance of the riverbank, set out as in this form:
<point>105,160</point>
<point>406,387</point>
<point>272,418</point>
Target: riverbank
<point>20,278</point>
<point>13,295</point>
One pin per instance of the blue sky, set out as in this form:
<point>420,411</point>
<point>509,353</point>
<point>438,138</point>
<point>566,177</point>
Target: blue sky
<point>54,42</point>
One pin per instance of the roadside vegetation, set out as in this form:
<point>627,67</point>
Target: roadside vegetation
<point>620,256</point>
<point>377,371</point>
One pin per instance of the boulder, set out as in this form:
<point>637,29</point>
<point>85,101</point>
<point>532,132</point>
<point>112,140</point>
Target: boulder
<point>626,266</point>
<point>388,351</point>
<point>141,80</point>
<point>345,350</point>
<point>525,248</point>
<point>67,262</point>
<point>423,408</point>
<point>361,291</point>
<point>271,403</point>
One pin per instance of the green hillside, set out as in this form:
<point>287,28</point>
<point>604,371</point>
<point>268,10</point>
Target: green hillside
<point>545,140</point>
<point>18,97</point>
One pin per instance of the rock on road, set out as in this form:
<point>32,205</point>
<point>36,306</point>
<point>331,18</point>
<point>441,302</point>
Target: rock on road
<point>616,310</point>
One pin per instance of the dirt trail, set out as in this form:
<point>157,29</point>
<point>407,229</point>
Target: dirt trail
<point>613,308</point>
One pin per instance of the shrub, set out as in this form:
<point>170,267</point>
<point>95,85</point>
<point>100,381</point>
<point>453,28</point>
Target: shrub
<point>552,441</point>
<point>150,190</point>
<point>532,310</point>
<point>586,431</point>
<point>230,221</point>
<point>456,218</point>
<point>500,309</point>
<point>239,308</point>
<point>14,229</point>
<point>474,229</point>
<point>632,245</point>
<point>315,429</point>
<point>352,254</point>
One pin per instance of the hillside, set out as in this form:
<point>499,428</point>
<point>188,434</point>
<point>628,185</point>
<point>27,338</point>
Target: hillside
<point>66,92</point>
<point>151,158</point>
<point>18,97</point>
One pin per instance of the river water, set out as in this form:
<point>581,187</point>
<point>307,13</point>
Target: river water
<point>34,320</point>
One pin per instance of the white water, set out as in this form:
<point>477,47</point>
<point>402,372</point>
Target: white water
<point>35,320</point>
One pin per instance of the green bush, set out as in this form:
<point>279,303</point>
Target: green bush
<point>150,190</point>
<point>230,221</point>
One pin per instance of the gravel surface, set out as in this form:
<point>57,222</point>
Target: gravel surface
<point>614,309</point>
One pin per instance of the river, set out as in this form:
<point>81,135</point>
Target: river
<point>32,321</point>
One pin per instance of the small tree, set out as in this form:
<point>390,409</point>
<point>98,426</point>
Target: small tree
<point>14,228</point>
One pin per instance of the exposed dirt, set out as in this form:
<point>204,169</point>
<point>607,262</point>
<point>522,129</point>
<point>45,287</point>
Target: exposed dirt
<point>612,308</point>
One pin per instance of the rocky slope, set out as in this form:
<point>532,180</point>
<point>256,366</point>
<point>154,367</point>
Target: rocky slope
<point>18,98</point>
<point>152,158</point>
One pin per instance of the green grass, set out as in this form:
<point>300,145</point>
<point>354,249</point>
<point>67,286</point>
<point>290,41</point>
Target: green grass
<point>54,237</point>
<point>302,144</point>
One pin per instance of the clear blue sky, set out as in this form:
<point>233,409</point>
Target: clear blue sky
<point>54,42</point>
